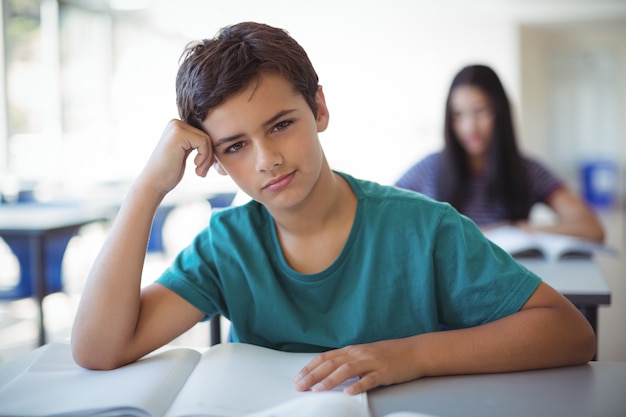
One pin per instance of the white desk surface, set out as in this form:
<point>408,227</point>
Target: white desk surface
<point>45,216</point>
<point>40,217</point>
<point>597,389</point>
<point>575,278</point>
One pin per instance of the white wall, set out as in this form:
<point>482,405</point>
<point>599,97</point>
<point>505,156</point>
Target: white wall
<point>574,95</point>
<point>385,65</point>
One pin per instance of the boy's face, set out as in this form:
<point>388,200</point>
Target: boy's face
<point>265,138</point>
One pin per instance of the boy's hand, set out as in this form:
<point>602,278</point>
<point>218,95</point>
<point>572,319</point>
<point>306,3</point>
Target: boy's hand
<point>166,165</point>
<point>381,363</point>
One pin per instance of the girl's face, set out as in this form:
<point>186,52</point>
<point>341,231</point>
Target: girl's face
<point>472,119</point>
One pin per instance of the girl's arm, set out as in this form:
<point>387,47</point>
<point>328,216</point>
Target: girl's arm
<point>574,217</point>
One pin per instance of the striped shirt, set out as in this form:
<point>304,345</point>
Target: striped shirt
<point>422,177</point>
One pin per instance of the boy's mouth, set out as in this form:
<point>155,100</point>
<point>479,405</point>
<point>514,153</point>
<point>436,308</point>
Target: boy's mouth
<point>279,182</point>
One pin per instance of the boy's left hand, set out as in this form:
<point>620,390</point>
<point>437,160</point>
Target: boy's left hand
<point>380,363</point>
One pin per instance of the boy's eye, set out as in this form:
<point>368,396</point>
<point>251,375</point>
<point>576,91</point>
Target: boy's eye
<point>234,148</point>
<point>281,125</point>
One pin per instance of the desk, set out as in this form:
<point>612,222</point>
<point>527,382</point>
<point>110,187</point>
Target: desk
<point>579,280</point>
<point>592,390</point>
<point>38,234</point>
<point>595,389</point>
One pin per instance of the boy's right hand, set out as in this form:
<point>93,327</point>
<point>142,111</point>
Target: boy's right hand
<point>166,165</point>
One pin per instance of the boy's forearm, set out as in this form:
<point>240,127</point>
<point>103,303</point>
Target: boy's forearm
<point>530,339</point>
<point>533,338</point>
<point>110,303</point>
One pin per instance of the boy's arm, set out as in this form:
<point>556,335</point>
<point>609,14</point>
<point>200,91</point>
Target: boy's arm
<point>117,322</point>
<point>548,331</point>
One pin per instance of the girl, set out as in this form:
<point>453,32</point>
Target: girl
<point>481,171</point>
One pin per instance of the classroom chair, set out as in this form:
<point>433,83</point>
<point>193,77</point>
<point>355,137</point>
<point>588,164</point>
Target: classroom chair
<point>55,250</point>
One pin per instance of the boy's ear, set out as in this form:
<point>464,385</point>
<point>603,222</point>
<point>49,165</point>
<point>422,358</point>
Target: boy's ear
<point>218,168</point>
<point>322,110</point>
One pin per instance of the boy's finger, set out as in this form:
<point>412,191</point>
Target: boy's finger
<point>362,384</point>
<point>316,370</point>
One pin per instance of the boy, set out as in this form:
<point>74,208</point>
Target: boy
<point>318,260</point>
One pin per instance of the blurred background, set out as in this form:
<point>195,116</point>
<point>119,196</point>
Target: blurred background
<point>87,86</point>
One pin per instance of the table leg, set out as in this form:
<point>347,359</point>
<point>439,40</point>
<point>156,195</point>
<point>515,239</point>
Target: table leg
<point>40,257</point>
<point>37,248</point>
<point>215,330</point>
<point>591,314</point>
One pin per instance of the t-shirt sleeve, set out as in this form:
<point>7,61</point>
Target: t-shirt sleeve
<point>192,275</point>
<point>477,282</point>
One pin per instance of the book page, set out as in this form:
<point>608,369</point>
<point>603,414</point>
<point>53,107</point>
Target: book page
<point>321,404</point>
<point>568,247</point>
<point>54,385</point>
<point>236,379</point>
<point>515,241</point>
<point>551,246</point>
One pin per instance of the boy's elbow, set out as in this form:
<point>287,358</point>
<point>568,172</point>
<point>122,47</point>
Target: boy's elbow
<point>89,358</point>
<point>583,345</point>
<point>588,345</point>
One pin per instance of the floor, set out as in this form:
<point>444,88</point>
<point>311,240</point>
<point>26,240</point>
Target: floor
<point>18,319</point>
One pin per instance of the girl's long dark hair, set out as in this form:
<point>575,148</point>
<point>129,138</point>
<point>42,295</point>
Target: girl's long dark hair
<point>505,171</point>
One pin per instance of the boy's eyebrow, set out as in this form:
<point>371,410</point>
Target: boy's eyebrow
<point>226,140</point>
<point>269,122</point>
<point>278,115</point>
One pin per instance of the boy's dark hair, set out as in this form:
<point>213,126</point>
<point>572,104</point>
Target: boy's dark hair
<point>506,172</point>
<point>212,70</point>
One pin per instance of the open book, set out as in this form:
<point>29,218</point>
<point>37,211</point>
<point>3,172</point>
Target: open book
<point>550,246</point>
<point>230,379</point>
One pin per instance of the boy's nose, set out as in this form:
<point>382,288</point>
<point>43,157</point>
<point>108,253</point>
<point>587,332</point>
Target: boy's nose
<point>267,156</point>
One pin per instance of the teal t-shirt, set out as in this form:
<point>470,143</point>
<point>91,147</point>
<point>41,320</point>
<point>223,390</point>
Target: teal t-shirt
<point>409,264</point>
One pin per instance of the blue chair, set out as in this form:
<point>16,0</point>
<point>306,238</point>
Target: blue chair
<point>156,243</point>
<point>55,247</point>
<point>221,200</point>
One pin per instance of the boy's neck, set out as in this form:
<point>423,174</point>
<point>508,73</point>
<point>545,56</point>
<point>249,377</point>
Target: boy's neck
<point>331,198</point>
<point>313,237</point>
